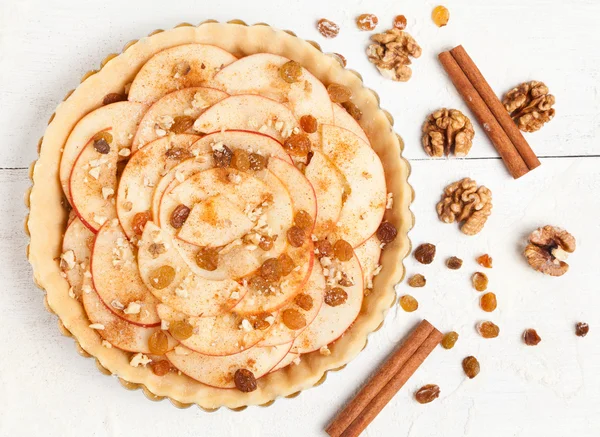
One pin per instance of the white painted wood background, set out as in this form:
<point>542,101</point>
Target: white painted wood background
<point>47,389</point>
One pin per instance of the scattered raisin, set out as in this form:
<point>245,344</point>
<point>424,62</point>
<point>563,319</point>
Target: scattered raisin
<point>113,98</point>
<point>303,220</point>
<point>265,243</point>
<point>531,337</point>
<point>296,236</point>
<point>293,319</point>
<point>158,343</point>
<point>308,123</point>
<point>427,393</point>
<point>454,263</point>
<point>139,222</point>
<point>162,277</point>
<point>244,380</point>
<point>400,22</point>
<point>290,71</point>
<point>297,144</point>
<point>488,329</point>
<point>270,270</point>
<point>409,303</point>
<point>582,329</point>
<point>161,368</point>
<point>328,28</point>
<point>286,264</point>
<point>480,281</point>
<point>366,21</point>
<point>386,232</point>
<point>345,281</point>
<point>342,250</point>
<point>485,261</point>
<point>488,302</point>
<point>102,142</point>
<point>259,321</point>
<point>181,124</point>
<point>257,162</point>
<point>324,248</point>
<point>339,93</point>
<point>178,153</point>
<point>417,280</point>
<point>353,110</point>
<point>258,284</point>
<point>179,216</point>
<point>240,160</point>
<point>440,16</point>
<point>181,329</point>
<point>449,339</point>
<point>425,253</point>
<point>335,296</point>
<point>304,301</point>
<point>207,258</point>
<point>222,156</point>
<point>471,367</point>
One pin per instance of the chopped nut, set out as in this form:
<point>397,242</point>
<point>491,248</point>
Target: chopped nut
<point>446,132</point>
<point>548,248</point>
<point>425,253</point>
<point>582,329</point>
<point>97,326</point>
<point>328,28</point>
<point>454,263</point>
<point>530,105</point>
<point>139,359</point>
<point>67,260</point>
<point>391,53</point>
<point>417,280</point>
<point>531,337</point>
<point>133,308</point>
<point>427,393</point>
<point>465,203</point>
<point>324,351</point>
<point>106,344</point>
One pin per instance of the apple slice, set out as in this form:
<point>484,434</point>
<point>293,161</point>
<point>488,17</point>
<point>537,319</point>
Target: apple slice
<point>189,102</point>
<point>280,333</point>
<point>329,188</point>
<point>143,172</point>
<point>364,206</point>
<point>184,66</point>
<point>219,371</point>
<point>332,321</point>
<point>78,239</point>
<point>117,331</point>
<point>286,361</point>
<point>93,184</point>
<point>116,277</point>
<point>368,255</point>
<point>251,113</point>
<point>122,117</point>
<point>344,120</point>
<point>187,293</point>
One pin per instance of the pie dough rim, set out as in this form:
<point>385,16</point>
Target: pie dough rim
<point>46,222</point>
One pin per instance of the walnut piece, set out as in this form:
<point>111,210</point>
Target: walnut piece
<point>391,53</point>
<point>465,203</point>
<point>530,105</point>
<point>548,249</point>
<point>447,131</point>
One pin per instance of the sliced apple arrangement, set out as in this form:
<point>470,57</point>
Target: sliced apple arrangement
<point>227,217</point>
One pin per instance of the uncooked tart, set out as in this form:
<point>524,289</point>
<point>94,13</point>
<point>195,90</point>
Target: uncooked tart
<point>204,218</point>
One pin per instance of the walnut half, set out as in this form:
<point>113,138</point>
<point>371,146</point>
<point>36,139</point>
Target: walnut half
<point>548,249</point>
<point>465,203</point>
<point>447,131</point>
<point>391,53</point>
<point>530,105</point>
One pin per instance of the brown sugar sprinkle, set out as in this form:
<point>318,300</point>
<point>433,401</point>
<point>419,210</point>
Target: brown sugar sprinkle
<point>181,124</point>
<point>485,261</point>
<point>303,219</point>
<point>161,368</point>
<point>304,301</point>
<point>488,302</point>
<point>367,21</point>
<point>417,281</point>
<point>471,367</point>
<point>353,110</point>
<point>102,142</point>
<point>324,248</point>
<point>309,124</point>
<point>328,28</point>
<point>342,250</point>
<point>113,98</point>
<point>480,281</point>
<point>400,22</point>
<point>258,162</point>
<point>582,329</point>
<point>181,329</point>
<point>293,319</point>
<point>297,144</point>
<point>488,329</point>
<point>425,253</point>
<point>449,339</point>
<point>339,93</point>
<point>270,270</point>
<point>427,393</point>
<point>240,160</point>
<point>158,343</point>
<point>162,277</point>
<point>290,71</point>
<point>179,216</point>
<point>531,337</point>
<point>244,380</point>
<point>409,303</point>
<point>139,221</point>
<point>386,232</point>
<point>222,157</point>
<point>454,263</point>
<point>178,153</point>
<point>335,296</point>
<point>440,16</point>
<point>296,236</point>
<point>265,243</point>
<point>207,258</point>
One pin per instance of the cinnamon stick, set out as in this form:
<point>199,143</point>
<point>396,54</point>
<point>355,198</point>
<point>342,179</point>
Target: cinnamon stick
<point>512,159</point>
<point>404,361</point>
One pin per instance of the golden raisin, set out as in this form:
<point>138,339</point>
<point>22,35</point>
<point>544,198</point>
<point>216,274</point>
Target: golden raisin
<point>207,258</point>
<point>335,296</point>
<point>113,98</point>
<point>179,216</point>
<point>485,261</point>
<point>303,219</point>
<point>449,339</point>
<point>328,28</point>
<point>417,280</point>
<point>181,124</point>
<point>286,264</point>
<point>471,367</point>
<point>259,322</point>
<point>178,153</point>
<point>353,110</point>
<point>296,236</point>
<point>181,329</point>
<point>409,303</point>
<point>488,302</point>
<point>386,232</point>
<point>290,71</point>
<point>488,329</point>
<point>259,284</point>
<point>222,156</point>
<point>293,319</point>
<point>480,281</point>
<point>342,250</point>
<point>158,343</point>
<point>297,144</point>
<point>454,263</point>
<point>582,329</point>
<point>531,337</point>
<point>400,22</point>
<point>265,243</point>
<point>425,253</point>
<point>240,160</point>
<point>102,142</point>
<point>304,301</point>
<point>366,21</point>
<point>440,16</point>
<point>244,380</point>
<point>324,248</point>
<point>270,270</point>
<point>162,277</point>
<point>339,93</point>
<point>161,368</point>
<point>139,222</point>
<point>257,162</point>
<point>427,393</point>
<point>308,123</point>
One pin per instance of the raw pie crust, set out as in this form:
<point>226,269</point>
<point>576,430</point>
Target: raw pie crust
<point>47,219</point>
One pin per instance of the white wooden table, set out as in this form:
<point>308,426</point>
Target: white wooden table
<point>549,390</point>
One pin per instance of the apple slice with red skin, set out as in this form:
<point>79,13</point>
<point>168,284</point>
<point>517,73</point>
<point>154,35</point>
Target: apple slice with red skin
<point>251,113</point>
<point>218,371</point>
<point>344,120</point>
<point>189,102</point>
<point>122,117</point>
<point>286,361</point>
<point>368,255</point>
<point>333,321</point>
<point>188,293</point>
<point>143,172</point>
<point>183,66</point>
<point>93,172</point>
<point>117,331</point>
<point>361,168</point>
<point>116,277</point>
<point>79,239</point>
